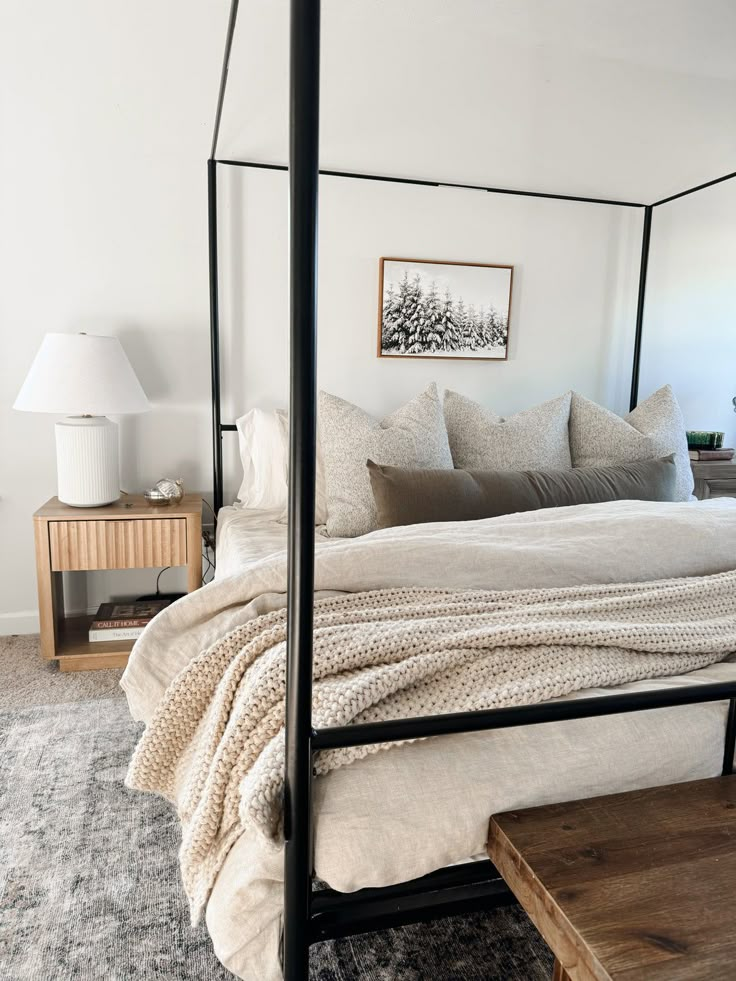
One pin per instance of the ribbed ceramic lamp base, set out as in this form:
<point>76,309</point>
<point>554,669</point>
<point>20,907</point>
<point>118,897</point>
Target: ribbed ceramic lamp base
<point>87,461</point>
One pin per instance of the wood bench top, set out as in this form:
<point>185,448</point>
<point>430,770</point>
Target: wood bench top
<point>636,886</point>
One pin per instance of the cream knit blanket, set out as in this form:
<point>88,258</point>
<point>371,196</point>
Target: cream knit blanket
<point>215,744</point>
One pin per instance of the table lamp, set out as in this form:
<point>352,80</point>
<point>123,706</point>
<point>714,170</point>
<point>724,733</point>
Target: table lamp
<point>84,376</point>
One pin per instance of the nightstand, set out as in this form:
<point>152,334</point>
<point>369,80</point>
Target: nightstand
<point>714,478</point>
<point>129,534</point>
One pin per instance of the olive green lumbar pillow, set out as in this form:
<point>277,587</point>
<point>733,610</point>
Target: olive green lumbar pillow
<point>411,497</point>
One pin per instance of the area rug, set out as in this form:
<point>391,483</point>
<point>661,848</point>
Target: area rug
<point>89,882</point>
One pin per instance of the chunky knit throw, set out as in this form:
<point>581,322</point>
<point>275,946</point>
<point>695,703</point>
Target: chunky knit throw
<point>215,745</point>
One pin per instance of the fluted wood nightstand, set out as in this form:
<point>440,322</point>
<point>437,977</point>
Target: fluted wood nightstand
<point>129,534</point>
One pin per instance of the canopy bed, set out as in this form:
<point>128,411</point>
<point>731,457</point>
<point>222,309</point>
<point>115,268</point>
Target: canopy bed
<point>312,914</point>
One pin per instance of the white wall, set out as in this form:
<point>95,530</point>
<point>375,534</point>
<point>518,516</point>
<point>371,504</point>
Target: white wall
<point>573,310</point>
<point>105,120</point>
<point>105,116</point>
<point>690,323</point>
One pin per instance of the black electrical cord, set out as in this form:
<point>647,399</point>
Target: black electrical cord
<point>214,516</point>
<point>212,563</point>
<point>210,567</point>
<point>158,577</point>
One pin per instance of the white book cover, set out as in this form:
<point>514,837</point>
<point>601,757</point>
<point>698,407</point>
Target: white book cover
<point>116,633</point>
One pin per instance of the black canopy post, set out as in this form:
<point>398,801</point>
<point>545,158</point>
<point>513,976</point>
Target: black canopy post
<point>644,265</point>
<point>232,21</point>
<point>304,181</point>
<point>217,428</point>
<point>214,336</point>
<point>456,889</point>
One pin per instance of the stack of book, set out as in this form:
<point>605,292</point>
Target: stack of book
<point>722,454</point>
<point>124,621</point>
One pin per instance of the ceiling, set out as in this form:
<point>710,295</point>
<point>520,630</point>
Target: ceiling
<point>626,99</point>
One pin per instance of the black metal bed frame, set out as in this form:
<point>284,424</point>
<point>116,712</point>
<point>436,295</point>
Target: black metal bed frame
<point>313,915</point>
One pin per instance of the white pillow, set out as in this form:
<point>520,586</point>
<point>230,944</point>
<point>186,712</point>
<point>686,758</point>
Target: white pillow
<point>535,439</point>
<point>655,428</point>
<point>264,455</point>
<point>320,494</point>
<point>414,437</point>
<point>263,439</point>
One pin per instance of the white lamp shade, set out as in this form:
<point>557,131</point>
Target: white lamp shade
<point>81,374</point>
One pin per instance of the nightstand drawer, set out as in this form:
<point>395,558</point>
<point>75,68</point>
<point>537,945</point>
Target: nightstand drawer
<point>110,544</point>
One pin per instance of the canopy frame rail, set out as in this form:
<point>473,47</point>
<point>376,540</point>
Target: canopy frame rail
<point>457,889</point>
<point>218,427</point>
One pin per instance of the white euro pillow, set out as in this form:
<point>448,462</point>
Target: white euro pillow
<point>264,456</point>
<point>263,440</point>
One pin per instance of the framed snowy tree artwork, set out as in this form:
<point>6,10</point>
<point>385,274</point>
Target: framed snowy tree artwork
<point>435,309</point>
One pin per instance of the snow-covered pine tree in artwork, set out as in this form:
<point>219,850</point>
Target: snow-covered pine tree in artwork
<point>500,329</point>
<point>489,328</point>
<point>460,315</point>
<point>417,320</point>
<point>450,316</point>
<point>470,329</point>
<point>434,321</point>
<point>395,330</point>
<point>388,317</point>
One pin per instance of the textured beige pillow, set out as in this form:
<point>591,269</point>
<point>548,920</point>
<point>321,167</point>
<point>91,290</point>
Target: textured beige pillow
<point>600,438</point>
<point>536,439</point>
<point>414,437</point>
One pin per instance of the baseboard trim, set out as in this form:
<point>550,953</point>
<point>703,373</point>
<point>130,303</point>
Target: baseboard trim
<point>26,621</point>
<point>23,622</point>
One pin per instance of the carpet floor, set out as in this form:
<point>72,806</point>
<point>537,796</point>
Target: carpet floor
<point>27,680</point>
<point>89,881</point>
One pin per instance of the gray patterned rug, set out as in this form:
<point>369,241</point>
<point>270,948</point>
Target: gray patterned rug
<point>89,884</point>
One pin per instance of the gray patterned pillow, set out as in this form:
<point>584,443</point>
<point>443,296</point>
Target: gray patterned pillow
<point>536,439</point>
<point>600,438</point>
<point>414,437</point>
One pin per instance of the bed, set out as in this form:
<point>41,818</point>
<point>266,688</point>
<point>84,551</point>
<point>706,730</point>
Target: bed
<point>258,889</point>
<point>245,535</point>
<point>371,827</point>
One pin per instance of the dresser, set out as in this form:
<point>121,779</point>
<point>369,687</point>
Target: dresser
<point>714,478</point>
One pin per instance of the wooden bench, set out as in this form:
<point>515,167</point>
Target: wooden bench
<point>636,886</point>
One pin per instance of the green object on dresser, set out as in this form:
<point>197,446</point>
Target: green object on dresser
<point>698,439</point>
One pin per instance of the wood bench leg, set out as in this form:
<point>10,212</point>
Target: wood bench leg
<point>559,973</point>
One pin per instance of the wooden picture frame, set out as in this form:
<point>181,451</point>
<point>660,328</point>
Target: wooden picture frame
<point>423,311</point>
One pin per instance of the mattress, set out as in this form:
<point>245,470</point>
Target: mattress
<point>246,535</point>
<point>399,814</point>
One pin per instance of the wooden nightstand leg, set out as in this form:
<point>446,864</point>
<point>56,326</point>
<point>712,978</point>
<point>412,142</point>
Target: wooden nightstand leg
<point>47,590</point>
<point>194,553</point>
<point>559,973</point>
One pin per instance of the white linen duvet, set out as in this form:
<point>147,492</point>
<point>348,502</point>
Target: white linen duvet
<point>399,814</point>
